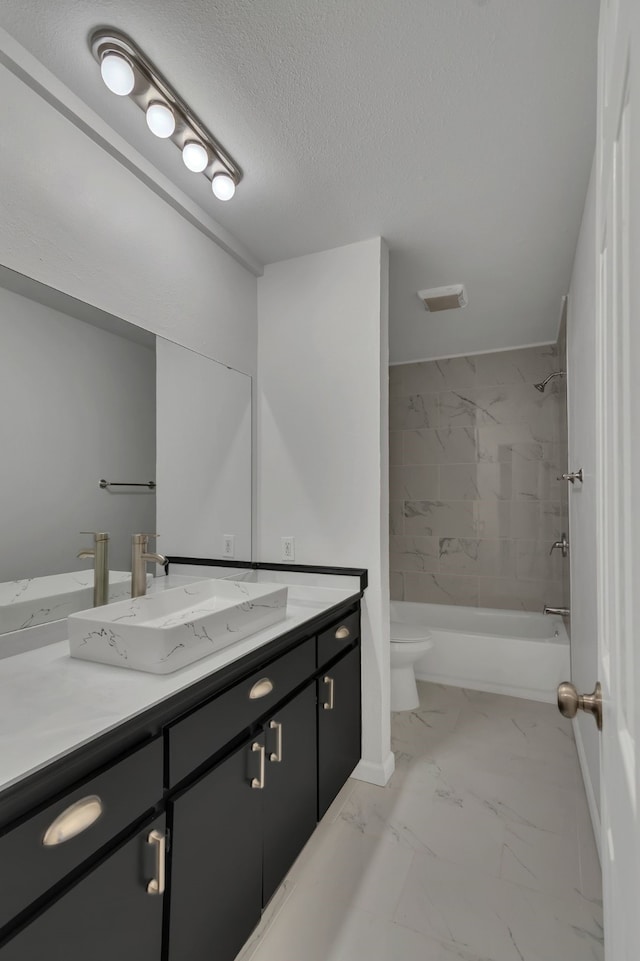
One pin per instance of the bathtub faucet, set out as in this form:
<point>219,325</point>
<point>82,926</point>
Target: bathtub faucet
<point>562,611</point>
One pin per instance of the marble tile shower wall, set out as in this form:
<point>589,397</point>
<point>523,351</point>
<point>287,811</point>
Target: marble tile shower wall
<point>476,501</point>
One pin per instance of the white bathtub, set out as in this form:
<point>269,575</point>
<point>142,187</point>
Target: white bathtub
<point>505,652</point>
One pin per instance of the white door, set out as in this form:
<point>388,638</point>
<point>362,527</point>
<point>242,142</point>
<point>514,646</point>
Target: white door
<point>618,458</point>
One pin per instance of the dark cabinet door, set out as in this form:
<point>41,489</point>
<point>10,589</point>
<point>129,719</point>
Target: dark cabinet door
<point>216,859</point>
<point>339,727</point>
<point>108,915</point>
<point>289,800</point>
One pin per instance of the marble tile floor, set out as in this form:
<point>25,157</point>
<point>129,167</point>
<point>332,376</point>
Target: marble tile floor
<point>480,848</point>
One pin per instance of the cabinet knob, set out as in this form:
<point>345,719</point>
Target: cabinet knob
<point>343,632</point>
<point>261,688</point>
<point>159,841</point>
<point>74,820</point>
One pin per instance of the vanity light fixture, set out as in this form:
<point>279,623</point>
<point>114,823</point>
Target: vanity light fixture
<point>160,120</point>
<point>223,186</point>
<point>195,156</point>
<point>118,74</point>
<point>126,71</point>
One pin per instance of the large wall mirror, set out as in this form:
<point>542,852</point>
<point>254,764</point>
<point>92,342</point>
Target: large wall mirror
<point>104,427</point>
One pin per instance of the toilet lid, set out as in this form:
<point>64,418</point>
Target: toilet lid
<point>409,632</point>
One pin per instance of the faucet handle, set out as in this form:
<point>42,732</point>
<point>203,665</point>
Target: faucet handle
<point>573,476</point>
<point>561,545</point>
<point>99,535</point>
<point>142,538</point>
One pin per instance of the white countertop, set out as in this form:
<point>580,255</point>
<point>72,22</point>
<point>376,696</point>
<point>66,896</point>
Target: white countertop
<point>51,703</point>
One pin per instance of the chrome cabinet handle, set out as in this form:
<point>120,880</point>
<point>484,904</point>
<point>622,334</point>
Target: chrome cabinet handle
<point>573,476</point>
<point>258,782</point>
<point>261,688</point>
<point>73,821</point>
<point>277,727</point>
<point>159,841</point>
<point>328,705</point>
<point>343,632</point>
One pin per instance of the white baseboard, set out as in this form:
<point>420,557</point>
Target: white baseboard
<point>588,786</point>
<point>531,694</point>
<point>376,773</point>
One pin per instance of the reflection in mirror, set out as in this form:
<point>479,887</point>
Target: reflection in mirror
<point>77,406</point>
<point>204,455</point>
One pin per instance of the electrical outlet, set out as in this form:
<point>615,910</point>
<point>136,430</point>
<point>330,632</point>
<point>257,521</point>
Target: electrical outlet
<point>288,548</point>
<point>229,549</point>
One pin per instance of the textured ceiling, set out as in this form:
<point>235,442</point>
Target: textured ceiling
<point>460,130</point>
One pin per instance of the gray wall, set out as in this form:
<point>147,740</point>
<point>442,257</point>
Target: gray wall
<point>76,404</point>
<point>475,454</point>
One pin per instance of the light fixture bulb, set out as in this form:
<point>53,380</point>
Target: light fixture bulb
<point>160,120</point>
<point>117,74</point>
<point>223,186</point>
<point>195,157</point>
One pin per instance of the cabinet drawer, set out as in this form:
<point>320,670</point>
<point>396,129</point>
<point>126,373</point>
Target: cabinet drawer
<point>107,916</point>
<point>338,638</point>
<point>30,861</point>
<point>209,728</point>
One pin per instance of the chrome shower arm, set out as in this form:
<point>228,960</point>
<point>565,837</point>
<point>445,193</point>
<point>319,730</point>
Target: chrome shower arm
<point>543,383</point>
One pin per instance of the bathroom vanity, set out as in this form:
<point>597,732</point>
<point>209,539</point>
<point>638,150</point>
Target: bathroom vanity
<point>161,835</point>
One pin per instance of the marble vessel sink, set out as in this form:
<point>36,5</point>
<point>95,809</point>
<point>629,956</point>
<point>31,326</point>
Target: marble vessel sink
<point>160,633</point>
<point>39,600</point>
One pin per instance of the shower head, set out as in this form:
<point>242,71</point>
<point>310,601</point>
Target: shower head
<point>543,383</point>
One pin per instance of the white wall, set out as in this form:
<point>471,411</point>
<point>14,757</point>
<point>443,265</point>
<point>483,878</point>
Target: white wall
<point>581,363</point>
<point>76,404</point>
<point>82,212</point>
<point>72,216</point>
<point>204,454</point>
<point>322,439</point>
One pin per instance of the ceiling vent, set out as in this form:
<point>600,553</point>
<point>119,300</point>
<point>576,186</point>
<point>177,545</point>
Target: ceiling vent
<point>444,298</point>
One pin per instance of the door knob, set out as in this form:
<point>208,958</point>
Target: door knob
<point>570,702</point>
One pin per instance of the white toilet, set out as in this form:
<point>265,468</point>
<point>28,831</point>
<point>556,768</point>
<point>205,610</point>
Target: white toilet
<point>408,644</point>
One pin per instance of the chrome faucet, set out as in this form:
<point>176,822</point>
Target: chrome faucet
<point>139,557</point>
<point>562,545</point>
<point>100,553</point>
<point>562,611</point>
